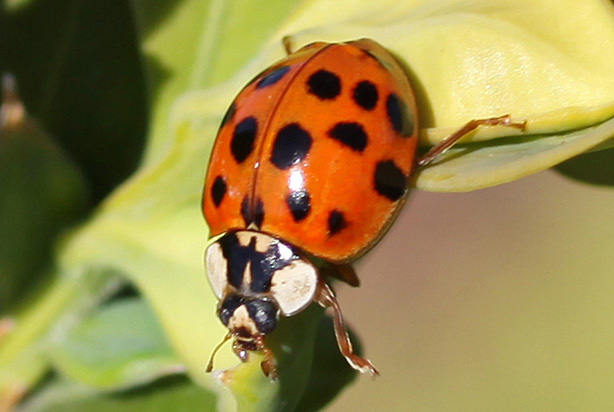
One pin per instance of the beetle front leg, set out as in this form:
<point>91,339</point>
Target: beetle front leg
<point>326,298</point>
<point>268,364</point>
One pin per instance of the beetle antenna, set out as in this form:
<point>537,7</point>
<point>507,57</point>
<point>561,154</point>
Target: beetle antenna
<point>217,348</point>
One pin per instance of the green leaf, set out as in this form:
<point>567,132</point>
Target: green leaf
<point>330,372</point>
<point>192,44</point>
<point>479,59</point>
<point>293,346</point>
<point>483,164</point>
<point>172,394</point>
<point>46,318</point>
<point>472,59</point>
<point>119,346</point>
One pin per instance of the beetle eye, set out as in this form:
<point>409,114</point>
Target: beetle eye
<point>264,313</point>
<point>294,286</point>
<point>228,307</point>
<point>216,266</point>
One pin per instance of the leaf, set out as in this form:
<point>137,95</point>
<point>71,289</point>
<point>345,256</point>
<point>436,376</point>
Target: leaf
<point>330,372</point>
<point>119,346</point>
<point>472,59</point>
<point>216,37</point>
<point>171,394</point>
<point>293,345</point>
<point>153,231</point>
<point>48,315</point>
<point>295,390</point>
<point>478,59</point>
<point>478,165</point>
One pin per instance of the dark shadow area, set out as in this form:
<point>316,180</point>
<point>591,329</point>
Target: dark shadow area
<point>79,72</point>
<point>596,168</point>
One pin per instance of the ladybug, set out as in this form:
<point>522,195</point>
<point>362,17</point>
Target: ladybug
<point>310,168</point>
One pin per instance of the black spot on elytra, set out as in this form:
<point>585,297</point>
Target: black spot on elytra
<point>243,138</point>
<point>365,95</point>
<point>389,180</point>
<point>324,84</point>
<point>299,203</point>
<point>352,135</point>
<point>291,145</point>
<point>399,116</point>
<point>336,222</point>
<point>218,190</point>
<point>272,77</point>
<point>252,213</point>
<point>229,114</point>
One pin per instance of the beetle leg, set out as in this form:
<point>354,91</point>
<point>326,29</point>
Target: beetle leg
<point>449,141</point>
<point>268,364</point>
<point>287,43</point>
<point>326,298</point>
<point>343,271</point>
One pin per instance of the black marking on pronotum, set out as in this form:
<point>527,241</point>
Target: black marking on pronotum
<point>262,264</point>
<point>324,84</point>
<point>229,114</point>
<point>252,213</point>
<point>299,203</point>
<point>291,146</point>
<point>242,143</point>
<point>336,222</point>
<point>218,190</point>
<point>272,77</point>
<point>351,134</point>
<point>365,95</point>
<point>236,258</point>
<point>389,180</point>
<point>399,116</point>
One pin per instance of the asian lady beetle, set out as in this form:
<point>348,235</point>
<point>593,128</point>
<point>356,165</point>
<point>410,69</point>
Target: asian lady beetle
<point>310,167</point>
